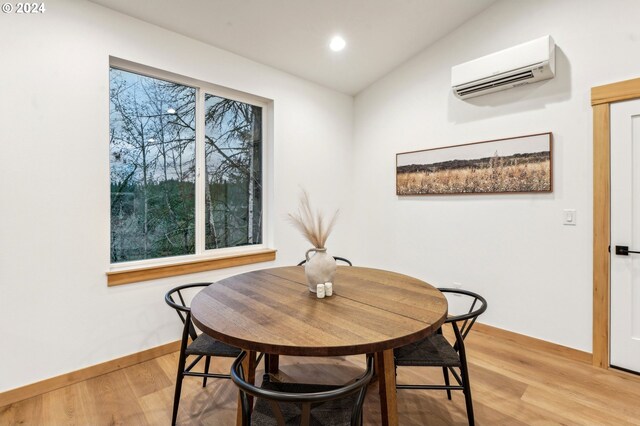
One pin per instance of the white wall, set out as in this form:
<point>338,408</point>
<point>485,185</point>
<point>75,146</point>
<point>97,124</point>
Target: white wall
<point>56,312</point>
<point>513,249</point>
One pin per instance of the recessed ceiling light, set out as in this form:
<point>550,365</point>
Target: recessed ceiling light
<point>171,111</point>
<point>337,44</point>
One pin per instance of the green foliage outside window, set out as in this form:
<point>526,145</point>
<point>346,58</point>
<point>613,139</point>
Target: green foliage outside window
<point>153,169</point>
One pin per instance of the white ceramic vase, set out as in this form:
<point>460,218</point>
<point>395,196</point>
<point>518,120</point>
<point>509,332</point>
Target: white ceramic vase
<point>320,268</point>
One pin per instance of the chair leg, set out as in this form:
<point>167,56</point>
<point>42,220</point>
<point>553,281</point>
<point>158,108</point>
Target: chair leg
<point>176,397</point>
<point>207,361</point>
<point>445,372</point>
<point>467,393</point>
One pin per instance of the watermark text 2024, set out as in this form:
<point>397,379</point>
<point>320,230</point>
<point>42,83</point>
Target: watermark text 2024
<point>23,8</point>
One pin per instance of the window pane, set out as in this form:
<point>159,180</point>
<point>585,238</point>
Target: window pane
<point>233,198</point>
<point>152,142</point>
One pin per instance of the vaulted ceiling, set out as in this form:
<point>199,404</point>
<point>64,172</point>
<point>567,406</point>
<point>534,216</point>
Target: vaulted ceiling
<point>293,35</point>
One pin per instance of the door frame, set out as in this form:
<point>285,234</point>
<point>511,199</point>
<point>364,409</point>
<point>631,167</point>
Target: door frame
<point>601,99</point>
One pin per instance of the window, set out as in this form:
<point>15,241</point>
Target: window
<point>233,149</point>
<point>185,166</point>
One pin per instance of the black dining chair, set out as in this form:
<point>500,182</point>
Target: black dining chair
<point>436,351</point>
<point>200,345</point>
<point>285,404</point>
<point>337,258</point>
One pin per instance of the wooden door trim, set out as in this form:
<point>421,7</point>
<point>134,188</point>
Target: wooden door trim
<point>601,99</point>
<point>615,92</point>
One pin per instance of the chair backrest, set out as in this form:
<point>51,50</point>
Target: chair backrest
<point>474,304</point>
<point>181,306</point>
<point>305,400</point>
<point>337,258</point>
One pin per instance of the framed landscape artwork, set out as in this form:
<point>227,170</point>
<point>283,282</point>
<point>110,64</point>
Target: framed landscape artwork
<point>518,164</point>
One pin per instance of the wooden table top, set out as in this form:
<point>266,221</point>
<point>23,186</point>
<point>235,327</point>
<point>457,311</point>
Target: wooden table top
<point>272,311</point>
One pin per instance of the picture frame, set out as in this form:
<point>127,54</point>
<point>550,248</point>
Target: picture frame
<point>520,164</point>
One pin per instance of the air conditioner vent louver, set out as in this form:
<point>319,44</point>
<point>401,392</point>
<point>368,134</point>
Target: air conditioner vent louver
<point>495,83</point>
<point>519,65</point>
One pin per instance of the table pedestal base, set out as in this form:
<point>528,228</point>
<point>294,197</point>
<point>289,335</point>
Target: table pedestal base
<point>249,367</point>
<point>386,371</point>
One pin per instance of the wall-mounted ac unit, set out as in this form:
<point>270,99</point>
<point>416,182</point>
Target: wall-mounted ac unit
<point>519,65</point>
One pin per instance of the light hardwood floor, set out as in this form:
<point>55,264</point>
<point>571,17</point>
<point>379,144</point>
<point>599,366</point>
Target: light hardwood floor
<point>511,384</point>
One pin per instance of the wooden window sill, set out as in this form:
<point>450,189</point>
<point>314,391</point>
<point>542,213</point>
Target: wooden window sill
<point>162,271</point>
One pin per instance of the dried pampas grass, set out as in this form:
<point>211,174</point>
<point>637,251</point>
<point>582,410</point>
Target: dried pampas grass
<point>312,226</point>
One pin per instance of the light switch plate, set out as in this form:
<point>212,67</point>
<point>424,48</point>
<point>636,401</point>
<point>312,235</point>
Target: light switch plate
<point>570,217</point>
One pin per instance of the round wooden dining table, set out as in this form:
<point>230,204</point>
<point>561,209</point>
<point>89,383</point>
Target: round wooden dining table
<point>371,311</point>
